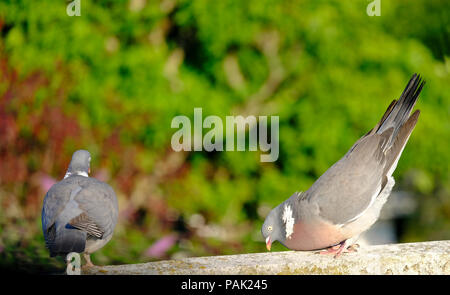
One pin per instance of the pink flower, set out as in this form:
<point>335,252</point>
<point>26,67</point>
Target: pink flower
<point>102,175</point>
<point>160,247</point>
<point>46,182</point>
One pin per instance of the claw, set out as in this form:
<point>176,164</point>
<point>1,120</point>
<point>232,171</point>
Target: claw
<point>353,248</point>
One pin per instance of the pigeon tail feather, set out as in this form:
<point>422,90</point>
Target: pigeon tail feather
<point>66,241</point>
<point>398,112</point>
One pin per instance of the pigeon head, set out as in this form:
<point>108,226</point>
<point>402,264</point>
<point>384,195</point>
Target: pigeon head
<point>279,223</point>
<point>80,164</point>
<point>273,228</point>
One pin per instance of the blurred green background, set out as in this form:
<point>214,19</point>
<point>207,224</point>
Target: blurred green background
<point>112,79</point>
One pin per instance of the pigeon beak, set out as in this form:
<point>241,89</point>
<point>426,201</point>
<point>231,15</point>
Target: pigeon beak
<point>268,243</point>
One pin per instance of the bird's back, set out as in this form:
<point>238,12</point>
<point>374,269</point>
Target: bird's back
<point>69,199</point>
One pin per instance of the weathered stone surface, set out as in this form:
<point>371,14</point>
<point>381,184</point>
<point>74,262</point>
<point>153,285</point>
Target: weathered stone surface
<point>408,258</point>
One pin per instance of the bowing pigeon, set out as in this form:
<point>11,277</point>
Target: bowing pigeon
<point>347,199</point>
<point>79,212</point>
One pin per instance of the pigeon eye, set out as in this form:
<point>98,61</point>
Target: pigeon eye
<point>269,228</point>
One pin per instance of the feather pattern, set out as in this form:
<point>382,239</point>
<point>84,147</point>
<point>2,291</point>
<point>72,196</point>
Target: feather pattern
<point>83,222</point>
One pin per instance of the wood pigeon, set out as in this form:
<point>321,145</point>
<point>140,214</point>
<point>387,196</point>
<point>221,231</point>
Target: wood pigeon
<point>347,199</point>
<point>79,213</point>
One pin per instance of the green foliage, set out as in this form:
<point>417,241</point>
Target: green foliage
<point>112,79</point>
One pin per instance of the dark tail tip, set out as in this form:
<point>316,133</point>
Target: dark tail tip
<point>408,98</point>
<point>414,87</point>
<point>398,112</point>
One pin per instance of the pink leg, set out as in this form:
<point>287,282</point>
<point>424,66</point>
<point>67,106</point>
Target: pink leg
<point>340,248</point>
<point>88,260</point>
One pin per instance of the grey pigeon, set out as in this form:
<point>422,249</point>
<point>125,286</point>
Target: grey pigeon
<point>347,199</point>
<point>79,212</point>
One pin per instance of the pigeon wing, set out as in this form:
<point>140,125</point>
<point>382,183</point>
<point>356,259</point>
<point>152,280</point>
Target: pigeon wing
<point>98,202</point>
<point>351,185</point>
<point>85,223</point>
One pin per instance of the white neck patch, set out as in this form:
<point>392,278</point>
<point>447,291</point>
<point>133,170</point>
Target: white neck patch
<point>288,220</point>
<point>81,173</point>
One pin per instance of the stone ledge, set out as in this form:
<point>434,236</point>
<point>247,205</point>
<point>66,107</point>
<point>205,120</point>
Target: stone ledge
<point>409,258</point>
